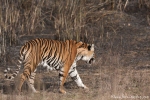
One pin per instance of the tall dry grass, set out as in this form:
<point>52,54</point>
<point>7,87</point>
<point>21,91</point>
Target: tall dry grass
<point>18,18</point>
<point>71,19</point>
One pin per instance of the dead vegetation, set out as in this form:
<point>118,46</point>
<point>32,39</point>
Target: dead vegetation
<point>119,29</point>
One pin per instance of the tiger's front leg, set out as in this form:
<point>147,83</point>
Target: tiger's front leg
<point>62,76</point>
<point>65,70</point>
<point>63,73</point>
<point>75,76</point>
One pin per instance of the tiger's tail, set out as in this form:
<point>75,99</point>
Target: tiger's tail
<point>14,74</point>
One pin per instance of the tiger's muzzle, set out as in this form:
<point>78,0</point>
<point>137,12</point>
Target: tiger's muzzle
<point>92,60</point>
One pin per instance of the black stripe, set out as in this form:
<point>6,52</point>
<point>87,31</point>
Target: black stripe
<point>82,45</point>
<point>6,76</point>
<point>73,69</point>
<point>56,62</point>
<point>61,75</point>
<point>25,72</point>
<point>50,53</point>
<point>76,42</point>
<point>27,47</point>
<point>31,78</point>
<point>81,57</point>
<point>15,72</point>
<point>51,48</point>
<point>31,83</point>
<point>71,52</point>
<point>17,69</point>
<point>44,50</point>
<point>56,52</point>
<point>50,60</point>
<point>61,71</point>
<point>74,77</point>
<point>14,75</point>
<point>59,52</point>
<point>9,77</point>
<point>57,66</point>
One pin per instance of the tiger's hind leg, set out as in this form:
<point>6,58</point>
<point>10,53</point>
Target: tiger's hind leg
<point>30,82</point>
<point>25,75</point>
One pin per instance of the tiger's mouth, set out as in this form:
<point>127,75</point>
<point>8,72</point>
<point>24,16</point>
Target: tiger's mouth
<point>92,60</point>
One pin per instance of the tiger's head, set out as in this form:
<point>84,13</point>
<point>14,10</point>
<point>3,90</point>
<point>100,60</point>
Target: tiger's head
<point>85,52</point>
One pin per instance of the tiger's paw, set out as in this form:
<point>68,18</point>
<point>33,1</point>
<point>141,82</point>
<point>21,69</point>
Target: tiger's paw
<point>18,91</point>
<point>36,92</point>
<point>86,88</point>
<point>62,91</point>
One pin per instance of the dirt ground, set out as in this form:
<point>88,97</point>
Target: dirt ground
<point>121,70</point>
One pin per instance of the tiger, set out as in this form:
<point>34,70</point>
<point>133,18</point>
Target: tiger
<point>55,55</point>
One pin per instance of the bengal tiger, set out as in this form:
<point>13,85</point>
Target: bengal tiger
<point>59,55</point>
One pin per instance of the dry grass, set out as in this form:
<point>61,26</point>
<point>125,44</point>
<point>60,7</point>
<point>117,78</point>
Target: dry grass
<point>106,83</point>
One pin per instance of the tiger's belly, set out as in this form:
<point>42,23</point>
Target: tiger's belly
<point>45,65</point>
<point>50,65</point>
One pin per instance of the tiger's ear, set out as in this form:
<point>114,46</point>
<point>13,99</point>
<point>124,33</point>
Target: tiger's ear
<point>79,44</point>
<point>91,47</point>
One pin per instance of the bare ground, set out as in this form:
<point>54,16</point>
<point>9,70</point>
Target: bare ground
<point>121,70</point>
